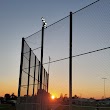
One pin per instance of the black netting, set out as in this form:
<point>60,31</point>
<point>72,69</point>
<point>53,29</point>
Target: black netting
<point>90,35</point>
<point>91,30</point>
<point>31,72</point>
<point>90,50</point>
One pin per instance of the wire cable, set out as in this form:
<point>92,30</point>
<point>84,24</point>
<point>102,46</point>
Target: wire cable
<point>86,7</point>
<point>64,17</point>
<point>32,50</point>
<point>86,53</point>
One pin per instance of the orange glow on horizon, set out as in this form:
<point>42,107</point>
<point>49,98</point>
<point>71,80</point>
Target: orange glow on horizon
<point>8,88</point>
<point>52,97</point>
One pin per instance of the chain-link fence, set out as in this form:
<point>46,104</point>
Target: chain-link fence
<point>90,64</point>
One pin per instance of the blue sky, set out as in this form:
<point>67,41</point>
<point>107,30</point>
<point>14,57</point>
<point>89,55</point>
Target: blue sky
<point>21,18</point>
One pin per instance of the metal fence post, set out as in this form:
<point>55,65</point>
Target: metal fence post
<point>42,42</point>
<point>21,66</point>
<point>47,82</point>
<point>38,86</point>
<point>34,76</point>
<point>45,79</point>
<point>29,73</point>
<point>70,65</point>
<point>48,74</point>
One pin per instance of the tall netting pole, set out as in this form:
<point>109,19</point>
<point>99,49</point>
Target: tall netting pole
<point>70,65</point>
<point>48,75</point>
<point>29,72</point>
<point>34,76</point>
<point>42,42</point>
<point>41,66</point>
<point>38,77</point>
<point>47,82</point>
<point>21,66</point>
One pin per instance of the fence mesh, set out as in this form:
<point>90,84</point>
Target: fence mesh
<point>91,59</point>
<point>91,30</point>
<point>31,72</point>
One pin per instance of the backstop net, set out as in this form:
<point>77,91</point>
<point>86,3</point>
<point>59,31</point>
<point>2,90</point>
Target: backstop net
<point>29,91</point>
<point>90,60</point>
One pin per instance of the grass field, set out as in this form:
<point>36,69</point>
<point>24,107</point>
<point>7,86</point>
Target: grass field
<point>80,108</point>
<point>7,107</point>
<point>10,107</point>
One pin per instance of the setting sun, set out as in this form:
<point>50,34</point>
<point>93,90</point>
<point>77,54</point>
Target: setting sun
<point>53,97</point>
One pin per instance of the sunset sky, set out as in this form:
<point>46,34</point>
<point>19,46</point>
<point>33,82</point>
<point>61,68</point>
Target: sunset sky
<point>21,18</point>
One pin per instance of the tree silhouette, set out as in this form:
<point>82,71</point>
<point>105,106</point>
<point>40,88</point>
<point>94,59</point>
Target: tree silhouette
<point>13,97</point>
<point>7,97</point>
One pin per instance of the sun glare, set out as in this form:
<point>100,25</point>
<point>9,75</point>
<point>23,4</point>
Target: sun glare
<point>53,97</point>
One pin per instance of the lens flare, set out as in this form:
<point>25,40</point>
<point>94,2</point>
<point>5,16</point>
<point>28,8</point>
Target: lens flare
<point>53,97</point>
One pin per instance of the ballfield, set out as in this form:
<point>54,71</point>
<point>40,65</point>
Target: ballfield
<point>66,107</point>
<point>7,107</point>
